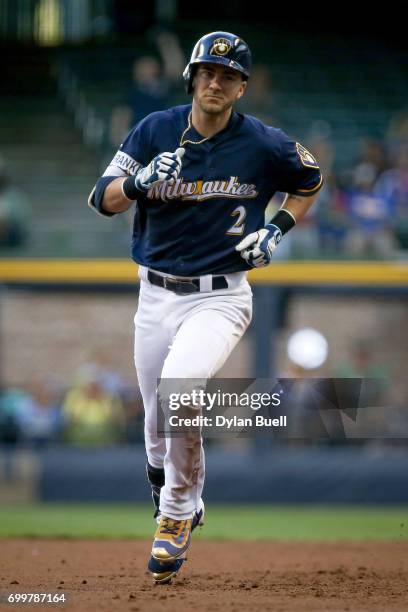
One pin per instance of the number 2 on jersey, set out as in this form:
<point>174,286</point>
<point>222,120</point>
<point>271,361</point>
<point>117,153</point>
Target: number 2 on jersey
<point>238,228</point>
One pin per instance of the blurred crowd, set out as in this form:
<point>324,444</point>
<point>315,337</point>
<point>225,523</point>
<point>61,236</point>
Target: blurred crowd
<point>97,409</point>
<point>362,209</point>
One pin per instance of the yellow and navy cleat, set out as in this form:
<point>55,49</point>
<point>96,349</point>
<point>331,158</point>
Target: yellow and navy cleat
<point>172,538</point>
<point>198,516</point>
<point>164,571</point>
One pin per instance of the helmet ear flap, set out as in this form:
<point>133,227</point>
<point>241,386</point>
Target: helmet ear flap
<point>188,76</point>
<point>193,72</point>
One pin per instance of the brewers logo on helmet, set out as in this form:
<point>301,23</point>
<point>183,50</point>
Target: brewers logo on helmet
<point>219,48</point>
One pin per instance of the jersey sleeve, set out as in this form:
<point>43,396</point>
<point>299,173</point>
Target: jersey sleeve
<point>299,171</point>
<point>132,155</point>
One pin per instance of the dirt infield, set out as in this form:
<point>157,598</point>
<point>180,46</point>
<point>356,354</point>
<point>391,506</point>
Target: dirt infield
<point>232,576</point>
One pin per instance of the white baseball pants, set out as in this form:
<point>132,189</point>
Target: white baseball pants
<point>184,337</point>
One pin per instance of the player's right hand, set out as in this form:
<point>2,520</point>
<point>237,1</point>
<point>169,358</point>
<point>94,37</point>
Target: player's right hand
<point>163,168</point>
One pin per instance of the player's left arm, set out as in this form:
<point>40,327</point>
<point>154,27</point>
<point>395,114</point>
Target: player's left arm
<point>257,248</point>
<point>297,205</point>
<point>301,179</point>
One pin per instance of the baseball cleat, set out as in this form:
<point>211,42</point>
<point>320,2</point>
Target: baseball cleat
<point>172,538</point>
<point>163,572</point>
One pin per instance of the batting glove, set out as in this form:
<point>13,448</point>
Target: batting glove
<point>257,248</point>
<point>163,168</point>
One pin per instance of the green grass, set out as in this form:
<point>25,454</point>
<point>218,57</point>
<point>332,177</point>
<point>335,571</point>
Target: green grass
<point>222,522</point>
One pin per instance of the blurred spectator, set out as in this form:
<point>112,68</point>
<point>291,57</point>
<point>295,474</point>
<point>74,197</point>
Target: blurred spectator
<point>373,152</point>
<point>260,96</point>
<point>14,212</point>
<point>92,415</point>
<point>371,217</point>
<point>147,94</point>
<point>171,54</point>
<point>11,401</point>
<point>329,215</point>
<point>40,414</point>
<point>319,141</point>
<point>98,368</point>
<point>30,416</point>
<point>392,188</point>
<point>151,86</point>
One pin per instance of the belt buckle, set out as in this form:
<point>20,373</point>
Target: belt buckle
<point>176,286</point>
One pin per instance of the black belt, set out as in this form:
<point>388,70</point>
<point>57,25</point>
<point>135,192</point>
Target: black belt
<point>184,287</point>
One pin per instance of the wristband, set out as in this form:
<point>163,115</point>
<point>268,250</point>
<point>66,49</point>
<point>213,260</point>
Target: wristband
<point>283,220</point>
<point>130,191</point>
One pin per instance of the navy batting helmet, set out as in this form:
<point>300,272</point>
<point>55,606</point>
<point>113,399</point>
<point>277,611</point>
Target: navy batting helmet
<point>219,48</point>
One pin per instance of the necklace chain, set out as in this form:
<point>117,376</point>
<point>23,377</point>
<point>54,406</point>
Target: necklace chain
<point>189,126</point>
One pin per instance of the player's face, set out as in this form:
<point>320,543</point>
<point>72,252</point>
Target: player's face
<point>217,88</point>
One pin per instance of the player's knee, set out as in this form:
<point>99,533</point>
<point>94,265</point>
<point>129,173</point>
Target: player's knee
<point>181,394</point>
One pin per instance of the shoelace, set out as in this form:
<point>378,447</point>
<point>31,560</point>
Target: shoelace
<point>170,526</point>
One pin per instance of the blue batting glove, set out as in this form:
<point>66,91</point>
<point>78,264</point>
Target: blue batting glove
<point>163,168</point>
<point>257,248</point>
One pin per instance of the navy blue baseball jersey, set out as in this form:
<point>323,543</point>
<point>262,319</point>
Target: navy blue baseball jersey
<point>191,228</point>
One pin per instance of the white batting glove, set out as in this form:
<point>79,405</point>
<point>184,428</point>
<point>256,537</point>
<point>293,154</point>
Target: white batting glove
<point>163,168</point>
<point>257,248</point>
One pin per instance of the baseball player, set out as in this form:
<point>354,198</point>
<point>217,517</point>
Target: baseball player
<point>200,176</point>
